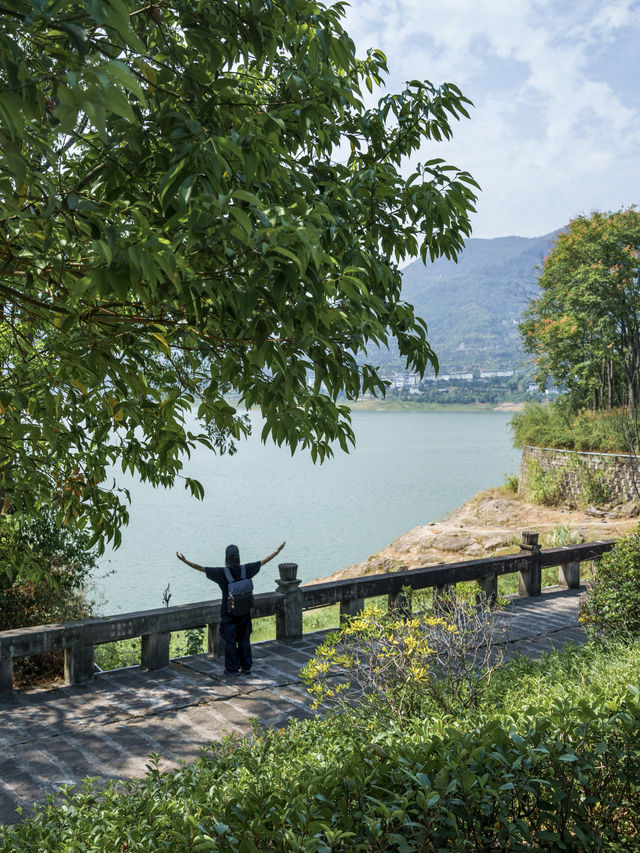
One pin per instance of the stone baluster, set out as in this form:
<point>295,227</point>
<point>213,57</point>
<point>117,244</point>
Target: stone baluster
<point>399,603</point>
<point>6,672</point>
<point>442,597</point>
<point>488,589</point>
<point>530,580</point>
<point>289,615</point>
<point>569,575</point>
<point>78,664</point>
<point>350,607</point>
<point>215,643</point>
<point>155,650</point>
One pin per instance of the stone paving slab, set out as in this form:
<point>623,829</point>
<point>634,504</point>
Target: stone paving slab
<point>109,728</point>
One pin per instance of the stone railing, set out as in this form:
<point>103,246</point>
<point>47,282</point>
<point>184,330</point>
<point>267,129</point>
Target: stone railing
<point>78,639</point>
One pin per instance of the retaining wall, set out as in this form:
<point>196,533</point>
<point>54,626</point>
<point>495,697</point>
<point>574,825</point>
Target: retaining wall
<point>583,473</point>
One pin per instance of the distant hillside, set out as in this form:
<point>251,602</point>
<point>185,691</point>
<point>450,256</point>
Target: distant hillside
<point>472,307</point>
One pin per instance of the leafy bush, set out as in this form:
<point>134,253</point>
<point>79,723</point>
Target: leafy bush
<point>119,654</point>
<point>544,487</point>
<point>594,484</point>
<point>57,596</point>
<point>556,425</point>
<point>572,675</point>
<point>402,661</point>
<point>511,482</point>
<point>612,603</point>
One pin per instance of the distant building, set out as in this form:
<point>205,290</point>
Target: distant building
<point>455,377</point>
<point>402,381</point>
<point>495,374</point>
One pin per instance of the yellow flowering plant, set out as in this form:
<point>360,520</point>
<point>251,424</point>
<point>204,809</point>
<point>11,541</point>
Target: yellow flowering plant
<point>403,661</point>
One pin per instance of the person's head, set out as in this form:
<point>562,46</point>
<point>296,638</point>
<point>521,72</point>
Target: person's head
<point>232,556</point>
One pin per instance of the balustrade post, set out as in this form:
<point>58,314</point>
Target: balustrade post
<point>569,575</point>
<point>530,580</point>
<point>215,643</point>
<point>488,588</point>
<point>155,650</point>
<point>6,673</point>
<point>350,607</point>
<point>289,614</point>
<point>399,603</point>
<point>78,664</point>
<point>442,593</point>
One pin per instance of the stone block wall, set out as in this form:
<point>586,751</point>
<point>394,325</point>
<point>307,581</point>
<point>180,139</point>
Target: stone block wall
<point>579,473</point>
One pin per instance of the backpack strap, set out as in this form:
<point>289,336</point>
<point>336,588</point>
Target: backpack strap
<point>230,578</point>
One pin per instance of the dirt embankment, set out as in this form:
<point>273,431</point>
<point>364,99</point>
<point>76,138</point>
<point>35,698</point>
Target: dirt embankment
<point>490,524</point>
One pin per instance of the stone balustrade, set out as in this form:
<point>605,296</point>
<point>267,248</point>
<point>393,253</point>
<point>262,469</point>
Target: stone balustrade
<point>287,603</point>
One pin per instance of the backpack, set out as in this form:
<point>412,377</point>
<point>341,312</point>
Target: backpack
<point>240,594</point>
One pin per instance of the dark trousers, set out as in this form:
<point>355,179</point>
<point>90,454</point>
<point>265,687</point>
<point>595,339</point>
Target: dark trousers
<point>236,633</point>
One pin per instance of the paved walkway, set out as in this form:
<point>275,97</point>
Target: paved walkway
<point>109,728</point>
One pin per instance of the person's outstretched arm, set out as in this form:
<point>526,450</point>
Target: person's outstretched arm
<point>271,556</point>
<point>189,563</point>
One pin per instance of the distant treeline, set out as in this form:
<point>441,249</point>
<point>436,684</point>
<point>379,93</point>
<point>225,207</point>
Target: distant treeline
<point>494,390</point>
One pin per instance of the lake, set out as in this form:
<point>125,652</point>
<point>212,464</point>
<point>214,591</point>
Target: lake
<point>408,468</point>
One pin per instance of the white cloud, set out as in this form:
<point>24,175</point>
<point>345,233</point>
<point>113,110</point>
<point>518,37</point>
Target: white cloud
<point>556,125</point>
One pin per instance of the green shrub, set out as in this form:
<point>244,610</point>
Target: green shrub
<point>556,425</point>
<point>544,487</point>
<point>511,482</point>
<point>59,595</point>
<point>593,484</point>
<point>408,663</point>
<point>612,603</point>
<point>574,674</point>
<point>541,426</point>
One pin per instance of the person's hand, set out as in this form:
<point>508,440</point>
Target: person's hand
<point>281,547</point>
<point>180,556</point>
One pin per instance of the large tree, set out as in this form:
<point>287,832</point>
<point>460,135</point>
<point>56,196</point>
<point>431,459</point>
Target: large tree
<point>584,328</point>
<point>194,199</point>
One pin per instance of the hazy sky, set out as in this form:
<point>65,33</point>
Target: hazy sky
<point>555,128</point>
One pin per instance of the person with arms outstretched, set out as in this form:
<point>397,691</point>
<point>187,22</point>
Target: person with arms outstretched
<point>235,630</point>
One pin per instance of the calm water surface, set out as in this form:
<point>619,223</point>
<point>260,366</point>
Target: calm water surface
<point>408,468</point>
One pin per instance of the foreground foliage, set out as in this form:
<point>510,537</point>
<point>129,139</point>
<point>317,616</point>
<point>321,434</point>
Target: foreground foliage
<point>551,762</point>
<point>568,780</point>
<point>193,199</point>
<point>612,603</point>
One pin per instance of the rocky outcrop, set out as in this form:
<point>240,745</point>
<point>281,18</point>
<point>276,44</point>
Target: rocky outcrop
<point>489,524</point>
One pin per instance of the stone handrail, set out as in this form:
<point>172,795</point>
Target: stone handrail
<point>78,639</point>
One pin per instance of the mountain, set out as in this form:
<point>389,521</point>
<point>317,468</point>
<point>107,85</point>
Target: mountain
<point>472,307</point>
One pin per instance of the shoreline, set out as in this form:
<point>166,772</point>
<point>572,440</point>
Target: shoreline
<point>396,405</point>
<point>490,525</point>
<point>393,404</point>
